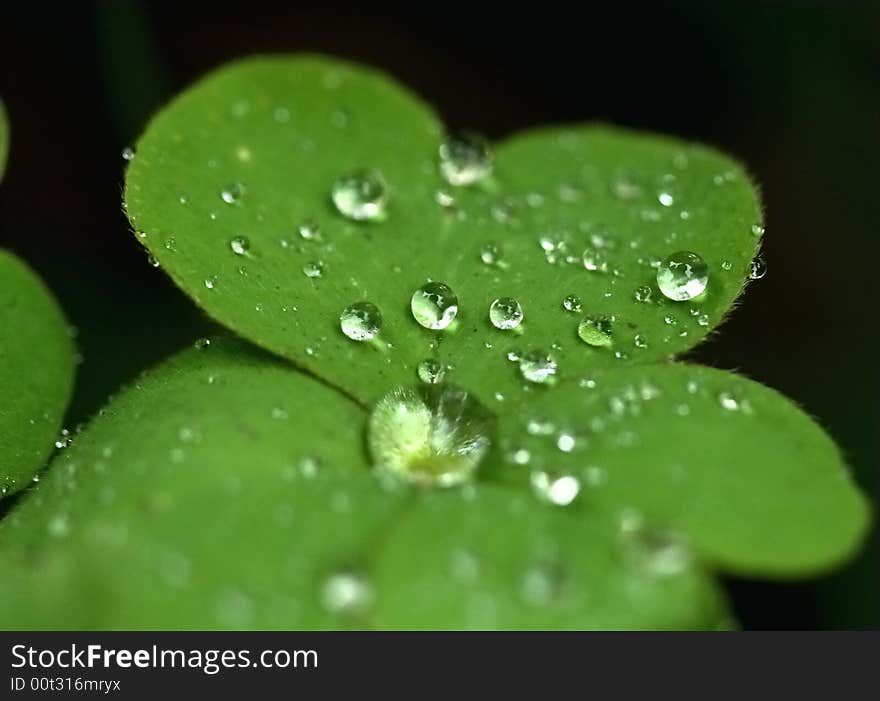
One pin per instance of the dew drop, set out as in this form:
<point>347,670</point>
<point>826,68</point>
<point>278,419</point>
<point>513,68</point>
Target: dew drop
<point>757,268</point>
<point>595,331</point>
<point>431,435</point>
<point>572,303</point>
<point>313,269</point>
<point>505,313</point>
<point>643,294</point>
<point>682,276</point>
<point>347,592</point>
<point>128,153</point>
<point>232,193</point>
<point>362,195</point>
<point>431,371</point>
<point>240,246</point>
<point>594,260</point>
<point>490,254</point>
<point>465,158</point>
<point>202,343</point>
<point>310,231</point>
<point>211,282</point>
<point>757,230</point>
<point>434,305</point>
<point>560,490</point>
<point>361,321</point>
<point>538,366</point>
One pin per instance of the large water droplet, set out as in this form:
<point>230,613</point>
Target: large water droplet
<point>433,435</point>
<point>683,276</point>
<point>361,321</point>
<point>505,313</point>
<point>434,305</point>
<point>465,158</point>
<point>362,196</point>
<point>595,331</point>
<point>538,366</point>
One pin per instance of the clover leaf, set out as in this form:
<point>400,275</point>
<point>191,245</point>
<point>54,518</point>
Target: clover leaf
<point>36,373</point>
<point>495,320</point>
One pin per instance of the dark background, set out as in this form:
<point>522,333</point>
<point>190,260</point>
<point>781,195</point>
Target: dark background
<point>788,87</point>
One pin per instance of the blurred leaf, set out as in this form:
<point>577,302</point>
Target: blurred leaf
<point>273,135</point>
<point>751,481</point>
<point>36,373</point>
<point>225,490</point>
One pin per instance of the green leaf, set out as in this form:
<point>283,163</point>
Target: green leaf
<point>751,481</point>
<point>4,139</point>
<point>225,490</point>
<point>276,133</point>
<point>500,560</point>
<point>36,373</point>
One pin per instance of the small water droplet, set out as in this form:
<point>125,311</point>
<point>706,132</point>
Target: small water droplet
<point>347,592</point>
<point>310,231</point>
<point>571,303</point>
<point>128,153</point>
<point>505,313</point>
<point>313,269</point>
<point>202,343</point>
<point>683,276</point>
<point>757,230</point>
<point>361,321</point>
<point>538,366</point>
<point>211,282</point>
<point>594,260</point>
<point>560,490</point>
<point>757,268</point>
<point>490,254</point>
<point>362,195</point>
<point>431,371</point>
<point>465,158</point>
<point>643,294</point>
<point>596,331</point>
<point>240,246</point>
<point>153,261</point>
<point>434,305</point>
<point>232,193</point>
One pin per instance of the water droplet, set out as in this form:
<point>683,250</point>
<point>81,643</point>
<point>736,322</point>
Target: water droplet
<point>128,153</point>
<point>361,321</point>
<point>431,371</point>
<point>757,268</point>
<point>433,435</point>
<point>505,313</point>
<point>211,282</point>
<point>655,552</point>
<point>726,265</point>
<point>465,158</point>
<point>202,343</point>
<point>538,366</point>
<point>153,261</point>
<point>683,276</point>
<point>594,260</point>
<point>625,187</point>
<point>757,230</point>
<point>240,246</point>
<point>232,193</point>
<point>595,331</point>
<point>313,269</point>
<point>310,231</point>
<point>572,303</point>
<point>560,490</point>
<point>643,294</point>
<point>434,305</point>
<point>362,196</point>
<point>347,592</point>
<point>639,341</point>
<point>491,254</point>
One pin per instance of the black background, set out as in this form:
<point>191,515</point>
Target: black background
<point>788,87</point>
